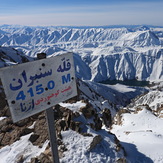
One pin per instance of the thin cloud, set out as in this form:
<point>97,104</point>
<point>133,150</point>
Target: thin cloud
<point>130,13</point>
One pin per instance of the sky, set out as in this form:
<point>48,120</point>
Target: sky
<point>81,12</point>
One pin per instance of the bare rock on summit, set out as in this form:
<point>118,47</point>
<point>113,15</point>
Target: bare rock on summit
<point>2,97</point>
<point>118,117</point>
<point>40,128</point>
<point>87,111</point>
<point>106,117</point>
<point>33,138</point>
<point>96,140</point>
<point>43,158</point>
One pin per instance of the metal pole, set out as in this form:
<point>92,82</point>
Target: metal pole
<point>51,126</point>
<point>52,134</point>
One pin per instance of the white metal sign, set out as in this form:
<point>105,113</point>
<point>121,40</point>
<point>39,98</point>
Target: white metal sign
<point>35,86</point>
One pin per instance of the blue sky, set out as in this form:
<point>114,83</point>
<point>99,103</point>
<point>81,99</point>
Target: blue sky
<point>81,12</point>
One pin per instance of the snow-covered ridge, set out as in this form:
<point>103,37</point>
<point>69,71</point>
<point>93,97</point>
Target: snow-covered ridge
<point>139,38</point>
<point>39,36</point>
<point>153,100</point>
<point>50,35</point>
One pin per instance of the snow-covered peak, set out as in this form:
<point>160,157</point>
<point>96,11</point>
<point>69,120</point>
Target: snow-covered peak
<point>139,38</point>
<point>141,28</point>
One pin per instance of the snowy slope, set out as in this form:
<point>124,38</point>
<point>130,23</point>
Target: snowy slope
<point>79,148</point>
<point>139,129</point>
<point>141,136</point>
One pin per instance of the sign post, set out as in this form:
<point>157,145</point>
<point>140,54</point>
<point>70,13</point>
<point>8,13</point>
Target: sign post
<point>36,86</point>
<point>51,125</point>
<point>52,134</point>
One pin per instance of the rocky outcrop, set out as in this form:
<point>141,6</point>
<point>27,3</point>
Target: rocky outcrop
<point>42,158</point>
<point>160,111</point>
<point>12,132</point>
<point>65,120</point>
<point>96,140</point>
<point>87,111</point>
<point>107,118</point>
<point>118,118</point>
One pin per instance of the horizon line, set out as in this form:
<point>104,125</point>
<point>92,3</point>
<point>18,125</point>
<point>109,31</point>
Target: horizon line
<point>84,26</point>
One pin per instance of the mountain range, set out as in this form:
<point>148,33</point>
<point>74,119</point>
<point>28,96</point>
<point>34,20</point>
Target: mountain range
<point>101,53</point>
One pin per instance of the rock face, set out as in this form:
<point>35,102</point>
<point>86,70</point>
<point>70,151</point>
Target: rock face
<point>118,117</point>
<point>9,56</point>
<point>12,132</point>
<point>107,118</point>
<point>87,111</point>
<point>96,140</point>
<point>43,158</point>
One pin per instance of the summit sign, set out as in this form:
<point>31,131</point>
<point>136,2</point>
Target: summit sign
<point>36,86</point>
